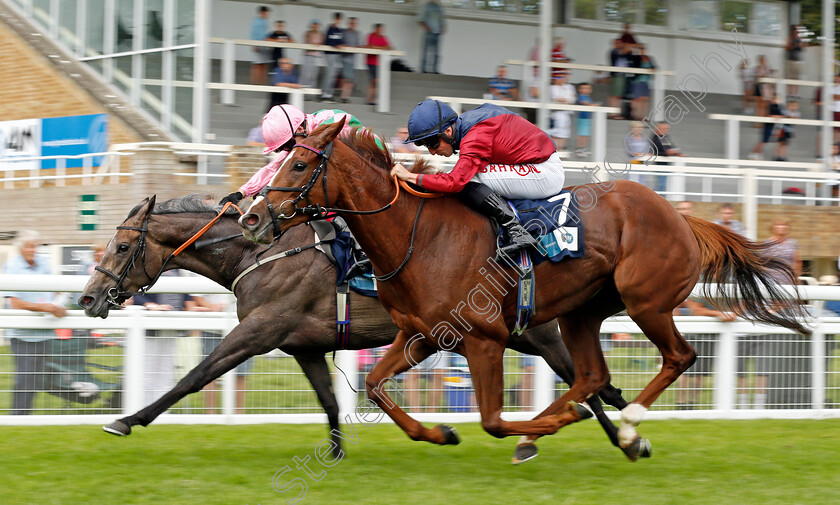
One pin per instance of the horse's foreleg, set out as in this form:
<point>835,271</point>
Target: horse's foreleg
<point>238,346</point>
<point>315,368</point>
<point>401,356</point>
<point>487,373</point>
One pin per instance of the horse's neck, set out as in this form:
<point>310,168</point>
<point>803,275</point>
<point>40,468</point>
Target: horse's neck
<point>219,262</point>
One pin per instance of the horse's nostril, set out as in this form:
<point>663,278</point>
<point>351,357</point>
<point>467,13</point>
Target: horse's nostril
<point>84,301</point>
<point>251,219</point>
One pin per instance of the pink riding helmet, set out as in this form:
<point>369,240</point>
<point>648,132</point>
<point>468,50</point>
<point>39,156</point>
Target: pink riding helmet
<point>279,125</point>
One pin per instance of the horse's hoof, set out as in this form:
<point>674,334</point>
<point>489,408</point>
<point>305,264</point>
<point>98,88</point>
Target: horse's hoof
<point>523,453</point>
<point>582,412</point>
<point>639,448</point>
<point>117,428</point>
<point>450,436</point>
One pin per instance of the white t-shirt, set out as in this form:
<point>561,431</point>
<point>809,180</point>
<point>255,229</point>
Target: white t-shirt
<point>836,91</point>
<point>563,93</point>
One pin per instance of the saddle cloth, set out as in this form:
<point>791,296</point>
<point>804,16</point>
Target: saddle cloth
<point>556,223</point>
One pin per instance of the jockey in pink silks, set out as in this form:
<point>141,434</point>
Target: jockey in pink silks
<point>280,128</point>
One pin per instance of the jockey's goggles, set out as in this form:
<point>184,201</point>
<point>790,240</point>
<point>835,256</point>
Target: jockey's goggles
<point>429,142</point>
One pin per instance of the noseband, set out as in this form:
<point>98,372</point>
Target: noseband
<point>117,292</point>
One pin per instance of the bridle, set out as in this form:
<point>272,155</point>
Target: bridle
<point>316,211</point>
<point>116,293</point>
<point>313,211</point>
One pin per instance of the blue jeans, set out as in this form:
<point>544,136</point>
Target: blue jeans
<point>330,73</point>
<point>431,44</point>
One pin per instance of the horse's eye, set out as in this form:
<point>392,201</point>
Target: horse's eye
<point>299,166</point>
<point>122,248</point>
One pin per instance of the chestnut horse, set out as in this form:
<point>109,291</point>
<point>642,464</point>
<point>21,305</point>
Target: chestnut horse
<point>641,255</point>
<point>288,304</point>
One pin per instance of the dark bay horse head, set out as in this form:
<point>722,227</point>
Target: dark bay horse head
<point>123,269</point>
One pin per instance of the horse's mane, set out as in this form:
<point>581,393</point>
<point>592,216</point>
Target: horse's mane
<point>364,143</point>
<point>192,203</point>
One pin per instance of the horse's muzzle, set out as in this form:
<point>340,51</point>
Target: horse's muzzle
<point>254,229</point>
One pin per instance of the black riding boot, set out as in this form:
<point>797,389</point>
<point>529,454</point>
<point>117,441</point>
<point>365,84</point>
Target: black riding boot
<point>486,201</point>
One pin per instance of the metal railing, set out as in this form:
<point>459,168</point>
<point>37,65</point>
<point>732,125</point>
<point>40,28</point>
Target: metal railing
<point>755,371</point>
<point>383,71</point>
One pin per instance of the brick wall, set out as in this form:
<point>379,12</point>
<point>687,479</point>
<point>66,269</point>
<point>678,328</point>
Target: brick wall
<point>34,88</point>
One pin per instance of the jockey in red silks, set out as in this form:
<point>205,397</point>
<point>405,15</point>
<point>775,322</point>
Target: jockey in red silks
<point>500,154</point>
<point>280,128</point>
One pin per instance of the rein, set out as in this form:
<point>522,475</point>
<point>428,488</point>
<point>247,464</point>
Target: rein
<point>116,292</point>
<point>316,211</point>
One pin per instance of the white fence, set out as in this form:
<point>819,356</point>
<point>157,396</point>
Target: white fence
<point>750,371</point>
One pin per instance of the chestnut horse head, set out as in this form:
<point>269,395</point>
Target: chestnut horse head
<point>641,255</point>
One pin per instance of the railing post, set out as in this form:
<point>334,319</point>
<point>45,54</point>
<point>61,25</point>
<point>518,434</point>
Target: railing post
<point>750,205</point>
<point>658,95</point>
<point>383,71</point>
<point>296,98</point>
<point>134,351</point>
<point>60,171</point>
<point>732,140</point>
<point>676,183</point>
<point>543,385</point>
<point>818,369</point>
<point>599,137</point>
<point>347,400</point>
<point>725,370</point>
<point>229,71</point>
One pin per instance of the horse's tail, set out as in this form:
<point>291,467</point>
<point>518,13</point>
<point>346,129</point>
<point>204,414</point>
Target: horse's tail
<point>728,258</point>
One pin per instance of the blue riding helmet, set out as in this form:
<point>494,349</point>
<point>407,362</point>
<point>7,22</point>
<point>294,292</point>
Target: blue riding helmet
<point>429,118</point>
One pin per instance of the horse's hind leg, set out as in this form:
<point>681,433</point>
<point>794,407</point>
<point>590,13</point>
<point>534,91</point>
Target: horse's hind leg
<point>315,368</point>
<point>677,357</point>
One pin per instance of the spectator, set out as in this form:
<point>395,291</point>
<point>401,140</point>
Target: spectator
<point>835,96</point>
<point>29,346</point>
<point>690,383</point>
<point>558,55</point>
<point>767,130</point>
<point>686,208</point>
<point>255,137</point>
<point>334,37</point>
<point>760,93</point>
<point>98,251</point>
<point>376,40</point>
<point>262,55</point>
<point>348,70</point>
<point>283,76</point>
<point>747,75</point>
<point>638,149</point>
<point>834,184</point>
<point>159,359</point>
<point>584,120</point>
<point>619,57</point>
<point>279,35</point>
<point>726,215</point>
<point>309,72</point>
<point>662,145</point>
<point>398,144</point>
<point>434,25</point>
<point>641,86</point>
<point>786,249</point>
<point>786,132</point>
<point>209,341</point>
<point>627,37</point>
<point>561,120</point>
<point>793,59</point>
<point>501,87</point>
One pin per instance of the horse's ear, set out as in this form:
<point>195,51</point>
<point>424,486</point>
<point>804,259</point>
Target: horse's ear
<point>331,131</point>
<point>147,207</point>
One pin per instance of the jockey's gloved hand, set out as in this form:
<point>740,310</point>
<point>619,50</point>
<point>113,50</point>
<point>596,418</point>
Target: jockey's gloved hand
<point>233,198</point>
